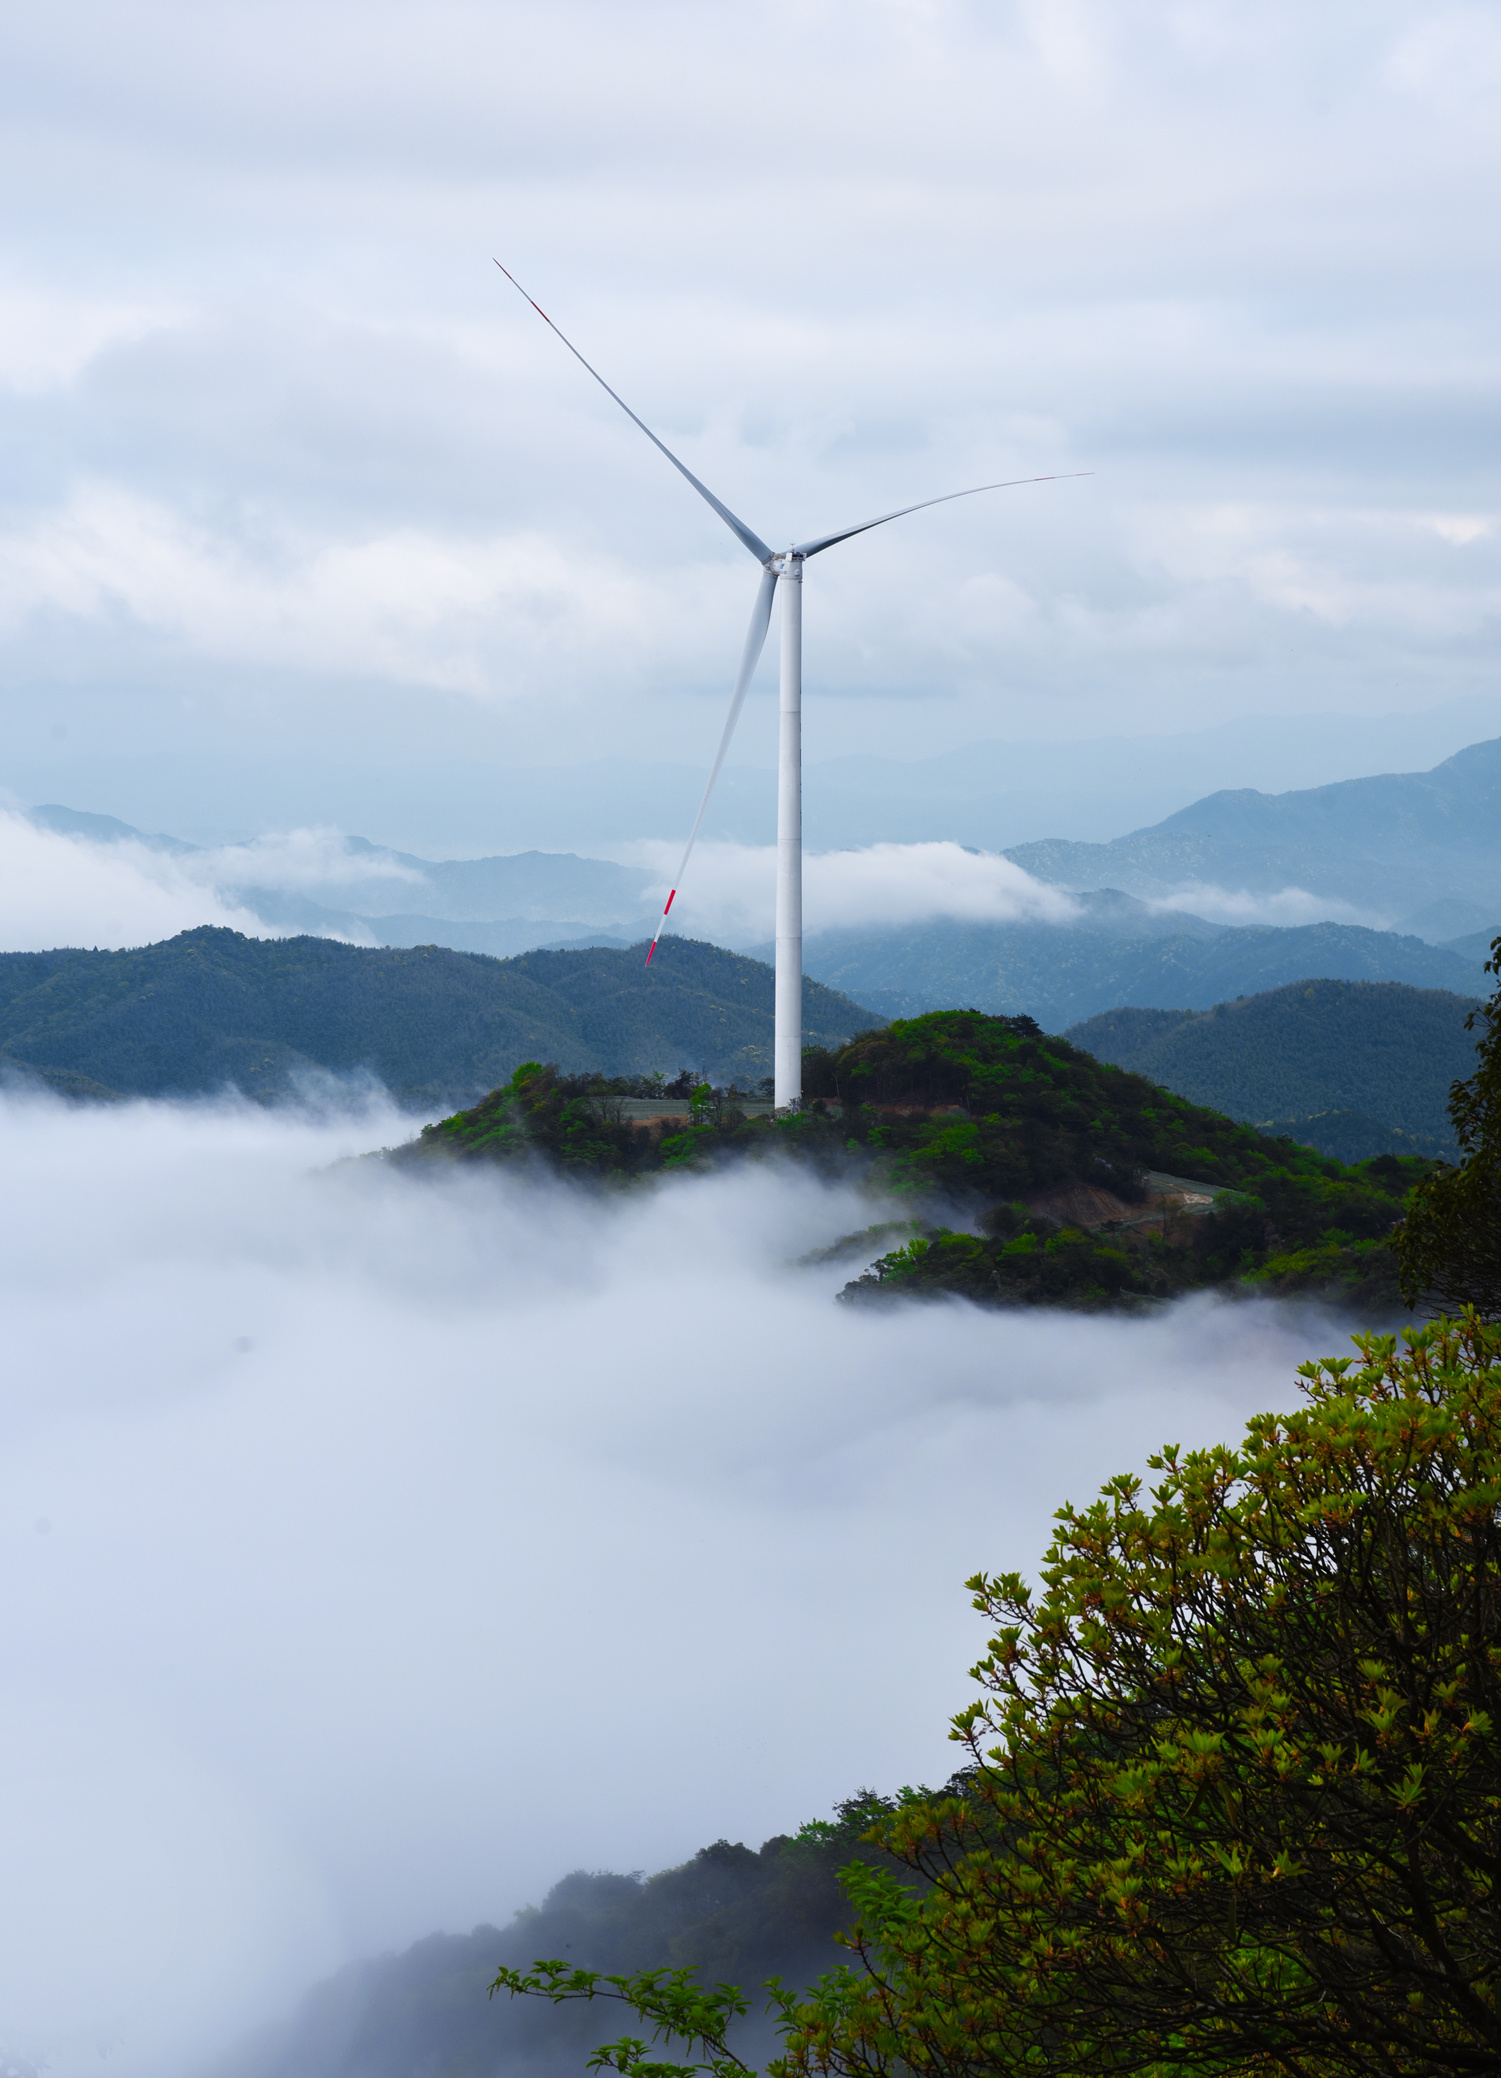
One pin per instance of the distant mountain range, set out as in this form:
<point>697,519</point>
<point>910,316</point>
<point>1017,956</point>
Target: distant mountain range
<point>1120,952</point>
<point>1423,846</point>
<point>1401,844</point>
<point>1360,1065</point>
<point>211,1008</point>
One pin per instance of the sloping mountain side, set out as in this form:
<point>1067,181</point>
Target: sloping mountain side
<point>211,1008</point>
<point>1062,973</point>
<point>1390,843</point>
<point>1475,945</point>
<point>1332,1047</point>
<point>1033,1173</point>
<point>734,1913</point>
<point>1354,1136</point>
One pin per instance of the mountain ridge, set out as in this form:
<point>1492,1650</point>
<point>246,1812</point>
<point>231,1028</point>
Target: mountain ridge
<point>1401,838</point>
<point>211,1008</point>
<point>1061,974</point>
<point>1283,1057</point>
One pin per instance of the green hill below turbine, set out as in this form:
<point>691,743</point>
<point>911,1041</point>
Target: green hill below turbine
<point>211,1008</point>
<point>1290,1055</point>
<point>1033,1173</point>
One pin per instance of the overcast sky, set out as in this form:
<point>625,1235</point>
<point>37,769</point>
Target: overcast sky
<point>306,512</point>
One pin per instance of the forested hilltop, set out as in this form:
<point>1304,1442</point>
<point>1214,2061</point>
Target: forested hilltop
<point>1308,1057</point>
<point>1034,1172</point>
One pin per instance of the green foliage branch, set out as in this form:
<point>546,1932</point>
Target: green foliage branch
<point>1449,1244</point>
<point>676,2007</point>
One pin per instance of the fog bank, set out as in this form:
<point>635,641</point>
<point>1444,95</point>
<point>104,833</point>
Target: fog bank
<point>730,889</point>
<point>64,890</point>
<point>382,1547</point>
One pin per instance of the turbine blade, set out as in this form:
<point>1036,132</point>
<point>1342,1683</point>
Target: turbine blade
<point>813,548</point>
<point>736,526</point>
<point>755,639</point>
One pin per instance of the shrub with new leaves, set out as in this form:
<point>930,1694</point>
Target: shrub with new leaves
<point>1449,1245</point>
<point>1237,1793</point>
<point>1234,1798</point>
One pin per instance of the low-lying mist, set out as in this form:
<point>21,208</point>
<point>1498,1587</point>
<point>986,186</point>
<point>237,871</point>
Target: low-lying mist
<point>731,893</point>
<point>382,1547</point>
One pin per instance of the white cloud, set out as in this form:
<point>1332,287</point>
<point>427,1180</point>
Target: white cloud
<point>414,606</point>
<point>48,338</point>
<point>1459,528</point>
<point>1288,905</point>
<point>340,1513</point>
<point>1344,569</point>
<point>319,863</point>
<point>729,891</point>
<point>59,890</point>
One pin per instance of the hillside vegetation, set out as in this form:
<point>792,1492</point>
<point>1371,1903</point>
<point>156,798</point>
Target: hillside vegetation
<point>1354,1136</point>
<point>1028,1165</point>
<point>1374,1048</point>
<point>211,1008</point>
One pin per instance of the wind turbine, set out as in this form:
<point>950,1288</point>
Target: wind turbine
<point>780,572</point>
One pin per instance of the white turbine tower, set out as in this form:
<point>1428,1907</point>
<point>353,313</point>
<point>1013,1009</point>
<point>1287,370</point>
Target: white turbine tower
<point>780,573</point>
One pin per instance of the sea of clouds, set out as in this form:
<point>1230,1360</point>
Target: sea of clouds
<point>382,1546</point>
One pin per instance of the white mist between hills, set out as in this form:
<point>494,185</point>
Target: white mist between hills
<point>381,1548</point>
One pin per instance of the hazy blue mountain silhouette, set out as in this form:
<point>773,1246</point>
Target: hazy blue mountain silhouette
<point>1394,842</point>
<point>1060,973</point>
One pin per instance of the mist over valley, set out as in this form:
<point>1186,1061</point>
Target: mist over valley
<point>348,1516</point>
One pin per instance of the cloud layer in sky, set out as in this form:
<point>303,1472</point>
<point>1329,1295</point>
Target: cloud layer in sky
<point>297,478</point>
<point>381,1549</point>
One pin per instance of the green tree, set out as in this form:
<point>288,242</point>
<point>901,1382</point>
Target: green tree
<point>1234,1800</point>
<point>1449,1244</point>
